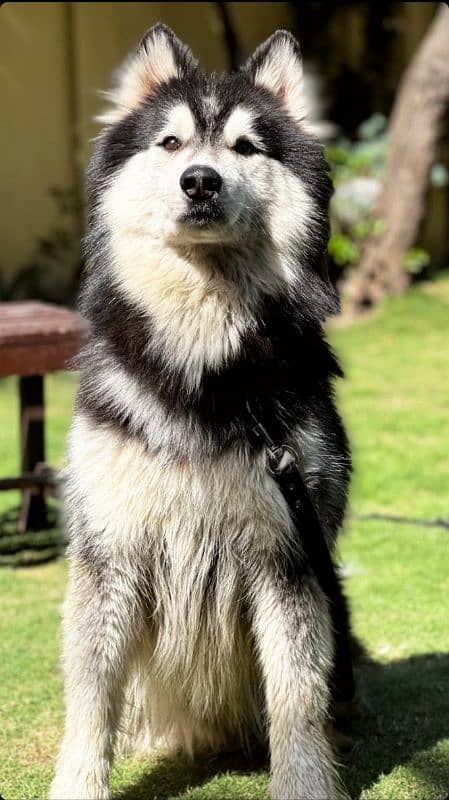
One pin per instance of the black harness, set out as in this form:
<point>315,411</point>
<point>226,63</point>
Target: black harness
<point>283,467</point>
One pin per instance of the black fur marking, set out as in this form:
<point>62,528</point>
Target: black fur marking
<point>285,368</point>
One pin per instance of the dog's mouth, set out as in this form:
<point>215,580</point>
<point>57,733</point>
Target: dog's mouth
<point>204,214</point>
<point>205,221</point>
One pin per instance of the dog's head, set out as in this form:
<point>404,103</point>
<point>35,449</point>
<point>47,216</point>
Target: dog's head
<point>196,162</point>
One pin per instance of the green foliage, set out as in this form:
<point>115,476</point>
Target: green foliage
<point>351,218</point>
<point>363,157</point>
<point>343,249</point>
<point>415,260</point>
<point>439,175</point>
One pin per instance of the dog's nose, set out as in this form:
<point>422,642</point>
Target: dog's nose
<point>200,182</point>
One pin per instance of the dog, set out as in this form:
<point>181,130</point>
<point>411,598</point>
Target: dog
<point>192,618</point>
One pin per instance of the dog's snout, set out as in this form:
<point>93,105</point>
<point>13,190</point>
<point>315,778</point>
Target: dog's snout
<point>200,182</point>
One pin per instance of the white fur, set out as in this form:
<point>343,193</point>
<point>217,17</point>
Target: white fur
<point>281,73</point>
<point>190,661</point>
<point>198,664</point>
<point>180,123</point>
<point>138,77</point>
<point>210,312</point>
<point>210,105</point>
<point>162,273</point>
<point>240,123</point>
<point>295,669</point>
<point>131,494</point>
<point>291,209</point>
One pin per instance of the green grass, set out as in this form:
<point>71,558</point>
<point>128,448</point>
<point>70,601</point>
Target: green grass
<point>395,402</point>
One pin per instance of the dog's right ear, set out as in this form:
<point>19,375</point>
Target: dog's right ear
<point>276,65</point>
<point>159,57</point>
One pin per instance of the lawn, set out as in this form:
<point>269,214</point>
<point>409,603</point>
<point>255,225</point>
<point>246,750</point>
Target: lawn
<point>395,401</point>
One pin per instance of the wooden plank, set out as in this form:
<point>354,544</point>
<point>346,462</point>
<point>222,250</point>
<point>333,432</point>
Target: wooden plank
<point>32,318</point>
<point>38,359</point>
<point>36,338</point>
<point>33,516</point>
<point>30,480</point>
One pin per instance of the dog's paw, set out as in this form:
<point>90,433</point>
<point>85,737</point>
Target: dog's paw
<point>291,787</point>
<point>70,789</point>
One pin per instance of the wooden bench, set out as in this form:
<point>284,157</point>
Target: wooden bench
<point>35,338</point>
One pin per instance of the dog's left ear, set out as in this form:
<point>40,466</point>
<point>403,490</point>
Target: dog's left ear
<point>277,66</point>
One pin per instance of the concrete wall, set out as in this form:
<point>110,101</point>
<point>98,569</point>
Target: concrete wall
<point>34,138</point>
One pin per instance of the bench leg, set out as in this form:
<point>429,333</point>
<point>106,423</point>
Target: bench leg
<point>33,515</point>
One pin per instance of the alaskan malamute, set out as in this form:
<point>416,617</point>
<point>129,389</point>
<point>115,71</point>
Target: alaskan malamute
<point>193,619</point>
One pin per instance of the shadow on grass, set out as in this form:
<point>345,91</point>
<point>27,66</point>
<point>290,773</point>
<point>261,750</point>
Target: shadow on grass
<point>33,547</point>
<point>177,776</point>
<point>404,710</point>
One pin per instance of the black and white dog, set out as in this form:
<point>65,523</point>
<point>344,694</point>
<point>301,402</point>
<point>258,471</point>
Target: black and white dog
<point>193,619</point>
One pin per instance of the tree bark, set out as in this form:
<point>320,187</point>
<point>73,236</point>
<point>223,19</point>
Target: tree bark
<point>235,54</point>
<point>414,130</point>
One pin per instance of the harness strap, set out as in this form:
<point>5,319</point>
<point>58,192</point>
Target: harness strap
<point>283,467</point>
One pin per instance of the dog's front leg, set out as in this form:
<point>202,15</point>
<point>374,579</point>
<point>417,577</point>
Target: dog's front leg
<point>99,614</point>
<point>294,640</point>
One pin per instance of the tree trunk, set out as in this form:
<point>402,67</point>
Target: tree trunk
<point>414,131</point>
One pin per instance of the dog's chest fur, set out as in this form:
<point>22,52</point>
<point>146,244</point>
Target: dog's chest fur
<point>191,536</point>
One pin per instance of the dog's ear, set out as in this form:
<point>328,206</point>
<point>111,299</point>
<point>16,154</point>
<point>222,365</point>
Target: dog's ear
<point>159,57</point>
<point>277,66</point>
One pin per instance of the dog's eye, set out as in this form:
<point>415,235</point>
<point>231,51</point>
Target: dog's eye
<point>244,147</point>
<point>171,143</point>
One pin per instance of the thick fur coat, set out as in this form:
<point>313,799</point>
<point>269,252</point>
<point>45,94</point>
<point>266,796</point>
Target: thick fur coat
<point>190,620</point>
